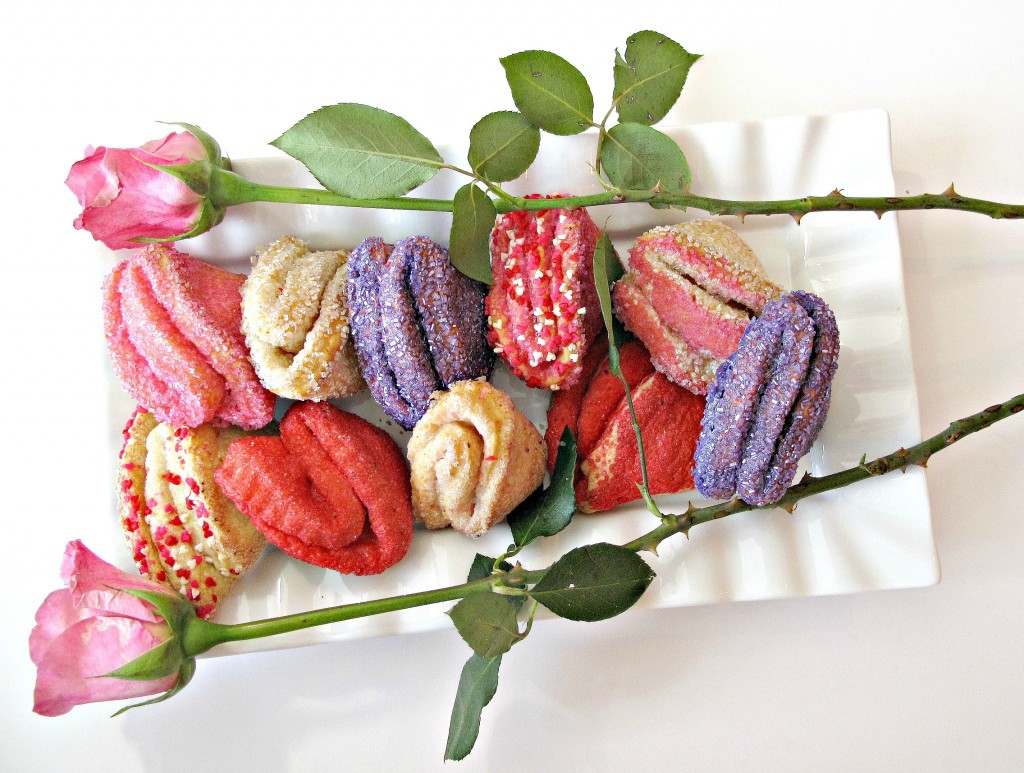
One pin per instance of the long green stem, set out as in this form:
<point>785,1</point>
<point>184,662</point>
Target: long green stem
<point>202,635</point>
<point>645,484</point>
<point>234,189</point>
<point>837,202</point>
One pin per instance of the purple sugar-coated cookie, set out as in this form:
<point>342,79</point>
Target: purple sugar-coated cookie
<point>418,324</point>
<point>777,398</point>
<point>768,402</point>
<point>451,312</point>
<point>732,403</point>
<point>808,416</point>
<point>365,269</point>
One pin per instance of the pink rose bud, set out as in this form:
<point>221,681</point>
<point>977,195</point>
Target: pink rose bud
<point>125,199</point>
<point>94,627</point>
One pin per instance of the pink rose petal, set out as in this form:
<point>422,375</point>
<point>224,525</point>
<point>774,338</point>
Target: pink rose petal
<point>71,670</point>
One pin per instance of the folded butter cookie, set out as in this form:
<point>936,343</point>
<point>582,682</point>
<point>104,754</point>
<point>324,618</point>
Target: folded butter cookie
<point>295,321</point>
<point>474,457</point>
<point>332,490</point>
<point>769,401</point>
<point>543,310</point>
<point>690,292</point>
<point>182,530</point>
<point>608,457</point>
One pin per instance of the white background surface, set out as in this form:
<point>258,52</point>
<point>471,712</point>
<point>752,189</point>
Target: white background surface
<point>927,679</point>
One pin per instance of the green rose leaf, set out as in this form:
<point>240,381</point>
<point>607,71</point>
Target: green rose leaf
<point>502,145</point>
<point>607,264</point>
<point>649,79</point>
<point>549,91</point>
<point>608,269</point>
<point>593,582</point>
<point>361,151</point>
<point>483,566</point>
<point>487,622</point>
<point>637,157</point>
<point>473,215</point>
<point>547,511</point>
<point>477,685</point>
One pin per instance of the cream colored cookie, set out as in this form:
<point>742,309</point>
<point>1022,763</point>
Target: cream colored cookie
<point>295,321</point>
<point>182,530</point>
<point>474,456</point>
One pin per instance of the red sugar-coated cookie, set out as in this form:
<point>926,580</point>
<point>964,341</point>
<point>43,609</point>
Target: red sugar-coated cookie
<point>596,412</point>
<point>332,490</point>
<point>669,417</point>
<point>564,408</point>
<point>543,311</point>
<point>605,394</point>
<point>173,329</point>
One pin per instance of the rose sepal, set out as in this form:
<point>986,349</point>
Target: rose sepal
<point>198,174</point>
<point>168,657</point>
<point>185,674</point>
<point>209,216</point>
<point>214,154</point>
<point>195,174</point>
<point>156,664</point>
<point>199,177</point>
<point>174,609</point>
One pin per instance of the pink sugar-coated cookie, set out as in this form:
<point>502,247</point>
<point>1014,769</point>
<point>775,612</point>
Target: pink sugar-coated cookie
<point>173,329</point>
<point>704,282</point>
<point>712,256</point>
<point>691,291</point>
<point>705,322</point>
<point>543,310</point>
<point>688,367</point>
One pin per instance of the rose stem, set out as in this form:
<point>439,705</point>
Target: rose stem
<point>202,635</point>
<point>234,189</point>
